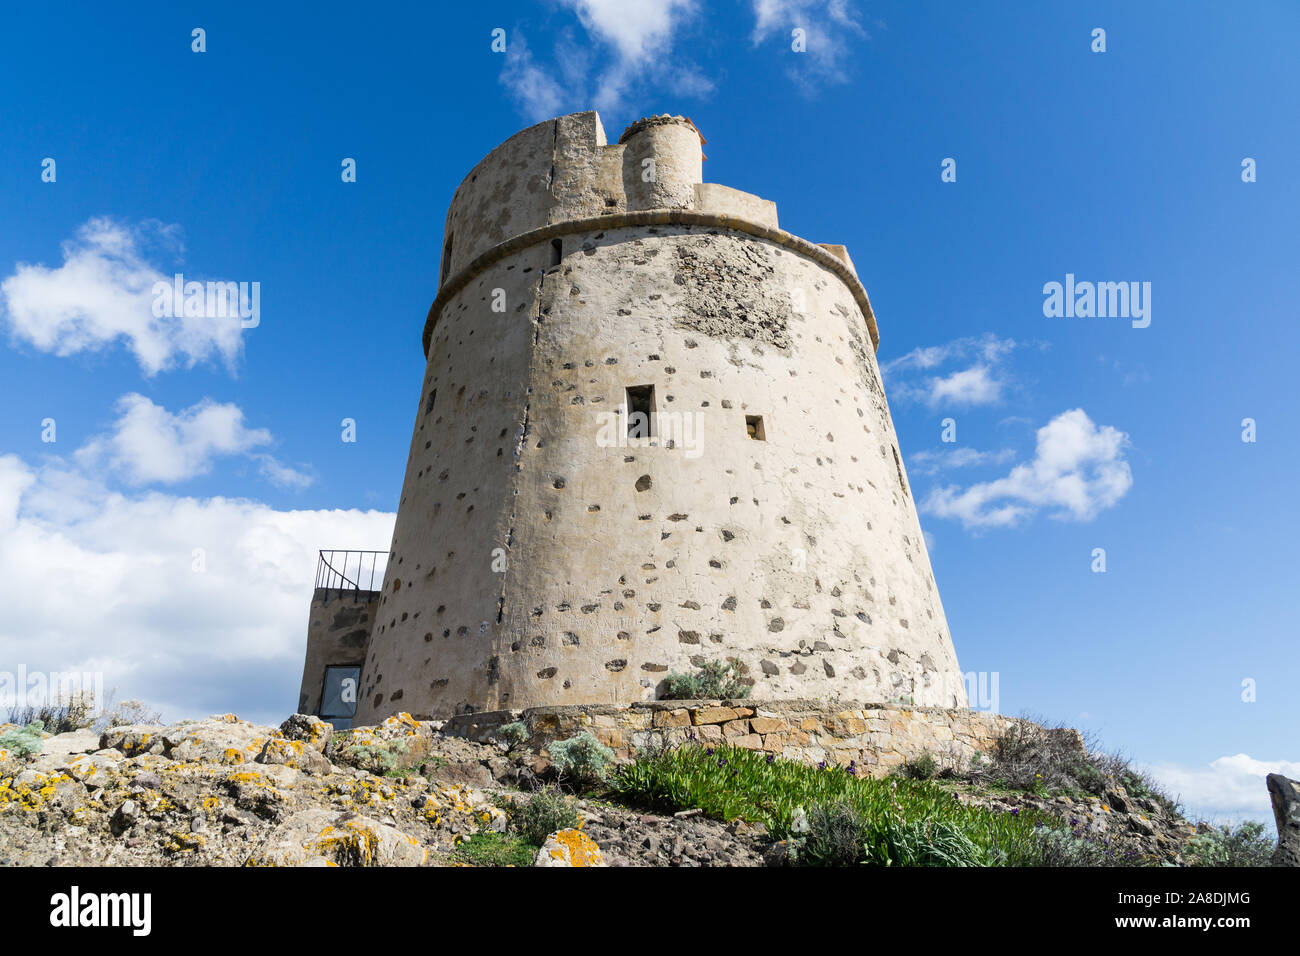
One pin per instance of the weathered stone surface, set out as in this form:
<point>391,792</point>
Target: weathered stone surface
<point>298,754</point>
<point>672,718</point>
<point>569,848</point>
<point>75,742</point>
<point>341,839</point>
<point>312,731</point>
<point>713,715</point>
<point>1285,795</point>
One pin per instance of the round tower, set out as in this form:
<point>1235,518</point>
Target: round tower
<point>662,163</point>
<point>651,434</point>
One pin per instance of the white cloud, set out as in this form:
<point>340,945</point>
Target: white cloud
<point>636,40</point>
<point>1229,789</point>
<point>150,444</point>
<point>103,294</point>
<point>981,381</point>
<point>829,27</point>
<point>931,462</point>
<point>636,30</point>
<point>93,580</point>
<point>539,95</point>
<point>1078,470</point>
<point>971,386</point>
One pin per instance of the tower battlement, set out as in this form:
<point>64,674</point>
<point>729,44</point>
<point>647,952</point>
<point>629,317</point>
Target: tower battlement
<point>564,170</point>
<point>548,550</point>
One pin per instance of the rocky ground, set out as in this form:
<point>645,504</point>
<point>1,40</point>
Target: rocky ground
<point>226,792</point>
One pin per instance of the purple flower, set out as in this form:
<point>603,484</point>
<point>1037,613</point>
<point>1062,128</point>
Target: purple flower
<point>1015,811</point>
<point>1074,821</point>
<point>709,751</point>
<point>771,758</point>
<point>722,762</point>
<point>822,765</point>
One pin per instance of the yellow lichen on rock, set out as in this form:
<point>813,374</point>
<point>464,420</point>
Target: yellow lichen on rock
<point>570,848</point>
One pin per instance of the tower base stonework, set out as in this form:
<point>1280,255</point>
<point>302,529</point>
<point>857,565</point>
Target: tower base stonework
<point>874,739</point>
<point>651,434</point>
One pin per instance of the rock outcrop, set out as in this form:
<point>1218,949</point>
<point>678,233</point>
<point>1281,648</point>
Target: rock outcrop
<point>1285,794</point>
<point>225,792</point>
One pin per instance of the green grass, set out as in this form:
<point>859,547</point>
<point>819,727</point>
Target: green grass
<point>495,849</point>
<point>895,821</point>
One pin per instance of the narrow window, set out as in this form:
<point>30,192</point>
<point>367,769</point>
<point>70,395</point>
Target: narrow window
<point>428,407</point>
<point>557,251</point>
<point>446,260</point>
<point>640,411</point>
<point>754,427</point>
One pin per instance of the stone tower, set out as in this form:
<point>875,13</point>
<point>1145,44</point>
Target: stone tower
<point>549,551</point>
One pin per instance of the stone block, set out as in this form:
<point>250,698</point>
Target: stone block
<point>672,718</point>
<point>767,725</point>
<point>713,715</point>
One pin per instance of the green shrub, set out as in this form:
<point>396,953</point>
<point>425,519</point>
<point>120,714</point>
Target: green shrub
<point>924,767</point>
<point>1246,844</point>
<point>713,680</point>
<point>1035,758</point>
<point>896,821</point>
<point>60,717</point>
<point>513,735</point>
<point>126,713</point>
<point>836,836</point>
<point>495,849</point>
<point>930,843</point>
<point>582,757</point>
<point>545,812</point>
<point>24,741</point>
<point>1070,848</point>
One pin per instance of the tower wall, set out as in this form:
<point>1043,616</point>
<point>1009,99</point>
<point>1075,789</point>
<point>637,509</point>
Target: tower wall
<point>542,557</point>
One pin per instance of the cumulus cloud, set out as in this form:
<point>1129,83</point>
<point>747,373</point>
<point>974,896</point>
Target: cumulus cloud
<point>148,444</point>
<point>627,46</point>
<point>829,29</point>
<point>195,605</point>
<point>102,294</point>
<point>1077,471</point>
<point>1229,789</point>
<point>981,380</point>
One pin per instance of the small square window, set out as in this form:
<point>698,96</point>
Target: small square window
<point>754,427</point>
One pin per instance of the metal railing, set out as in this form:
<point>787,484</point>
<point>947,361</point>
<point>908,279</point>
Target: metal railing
<point>351,570</point>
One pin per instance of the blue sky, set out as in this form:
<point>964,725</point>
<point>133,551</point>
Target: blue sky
<point>1123,165</point>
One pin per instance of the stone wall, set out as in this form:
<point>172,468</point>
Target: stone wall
<point>338,634</point>
<point>874,737</point>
